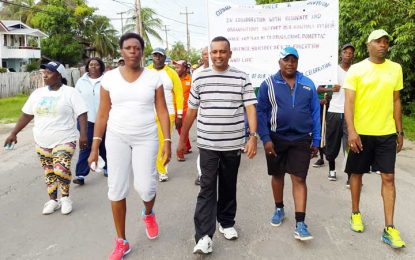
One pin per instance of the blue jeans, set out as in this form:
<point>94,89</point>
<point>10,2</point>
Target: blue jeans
<point>82,167</point>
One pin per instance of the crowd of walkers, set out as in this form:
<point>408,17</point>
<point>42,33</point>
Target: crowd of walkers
<point>123,121</point>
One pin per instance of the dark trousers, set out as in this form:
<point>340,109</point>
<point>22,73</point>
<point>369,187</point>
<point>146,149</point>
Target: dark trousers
<point>336,135</point>
<point>216,202</point>
<point>82,167</point>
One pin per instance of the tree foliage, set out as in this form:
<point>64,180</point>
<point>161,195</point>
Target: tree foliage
<point>151,24</point>
<point>71,25</point>
<point>358,18</point>
<point>179,52</point>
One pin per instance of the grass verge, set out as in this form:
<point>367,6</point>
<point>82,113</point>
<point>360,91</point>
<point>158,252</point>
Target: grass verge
<point>10,108</point>
<point>409,127</point>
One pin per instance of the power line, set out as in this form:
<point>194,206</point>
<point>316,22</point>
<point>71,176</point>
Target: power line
<point>180,21</point>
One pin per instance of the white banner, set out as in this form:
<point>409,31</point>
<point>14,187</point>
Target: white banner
<point>258,32</point>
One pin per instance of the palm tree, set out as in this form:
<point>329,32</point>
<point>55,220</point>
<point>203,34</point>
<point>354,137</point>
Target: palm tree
<point>16,12</point>
<point>101,36</point>
<point>150,24</point>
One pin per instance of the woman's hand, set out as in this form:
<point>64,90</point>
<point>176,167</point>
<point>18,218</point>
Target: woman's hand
<point>93,160</point>
<point>10,140</point>
<point>166,152</point>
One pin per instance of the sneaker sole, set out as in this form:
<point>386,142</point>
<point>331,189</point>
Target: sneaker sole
<point>181,160</point>
<point>389,244</point>
<point>228,238</point>
<point>303,238</point>
<point>48,213</point>
<point>357,231</point>
<point>66,213</point>
<point>201,252</point>
<point>277,225</point>
<point>126,253</point>
<point>149,237</point>
<point>317,166</point>
<point>332,179</point>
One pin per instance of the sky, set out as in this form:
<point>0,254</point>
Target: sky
<point>169,12</point>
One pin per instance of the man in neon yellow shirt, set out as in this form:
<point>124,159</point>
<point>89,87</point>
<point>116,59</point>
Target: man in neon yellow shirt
<point>173,94</point>
<point>374,124</point>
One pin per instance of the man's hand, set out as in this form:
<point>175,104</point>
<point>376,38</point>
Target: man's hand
<point>314,151</point>
<point>178,122</point>
<point>355,143</point>
<point>399,143</point>
<point>250,147</point>
<point>269,149</point>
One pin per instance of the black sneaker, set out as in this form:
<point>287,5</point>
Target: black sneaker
<point>79,181</point>
<point>197,181</point>
<point>318,163</point>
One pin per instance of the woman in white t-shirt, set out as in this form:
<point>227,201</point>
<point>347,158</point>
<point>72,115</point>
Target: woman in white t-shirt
<point>130,96</point>
<point>55,109</point>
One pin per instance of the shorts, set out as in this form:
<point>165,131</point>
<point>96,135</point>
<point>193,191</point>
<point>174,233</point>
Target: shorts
<point>131,155</point>
<point>293,157</point>
<point>379,152</point>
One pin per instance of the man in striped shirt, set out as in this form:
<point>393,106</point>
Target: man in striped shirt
<point>221,93</point>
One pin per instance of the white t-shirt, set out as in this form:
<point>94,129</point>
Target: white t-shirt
<point>132,104</point>
<point>337,99</point>
<point>55,115</point>
<point>168,89</point>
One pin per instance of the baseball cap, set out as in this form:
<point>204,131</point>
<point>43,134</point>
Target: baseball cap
<point>348,45</point>
<point>160,51</point>
<point>55,67</point>
<point>376,34</point>
<point>180,62</point>
<point>288,51</point>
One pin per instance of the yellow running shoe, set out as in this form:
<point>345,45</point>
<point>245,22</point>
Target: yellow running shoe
<point>356,223</point>
<point>391,236</point>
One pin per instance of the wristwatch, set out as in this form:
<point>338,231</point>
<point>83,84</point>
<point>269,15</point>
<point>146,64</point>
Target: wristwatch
<point>400,133</point>
<point>254,134</point>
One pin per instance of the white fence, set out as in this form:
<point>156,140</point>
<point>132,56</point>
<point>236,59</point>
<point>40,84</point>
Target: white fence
<point>13,83</point>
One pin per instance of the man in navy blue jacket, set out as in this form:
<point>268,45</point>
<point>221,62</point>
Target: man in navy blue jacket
<point>288,112</point>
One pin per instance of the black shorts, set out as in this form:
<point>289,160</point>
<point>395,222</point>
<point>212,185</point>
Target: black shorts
<point>379,152</point>
<point>293,157</point>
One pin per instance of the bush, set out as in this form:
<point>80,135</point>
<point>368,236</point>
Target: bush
<point>3,70</point>
<point>409,108</point>
<point>34,65</point>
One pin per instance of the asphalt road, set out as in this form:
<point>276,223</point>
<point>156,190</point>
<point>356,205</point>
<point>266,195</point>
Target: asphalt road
<point>88,233</point>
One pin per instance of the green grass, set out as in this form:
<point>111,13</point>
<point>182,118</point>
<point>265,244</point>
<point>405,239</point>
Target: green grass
<point>409,127</point>
<point>10,108</point>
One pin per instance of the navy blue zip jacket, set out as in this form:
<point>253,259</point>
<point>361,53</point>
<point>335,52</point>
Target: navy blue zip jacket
<point>288,114</point>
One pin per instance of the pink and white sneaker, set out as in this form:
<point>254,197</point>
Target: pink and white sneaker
<point>152,228</point>
<point>122,247</point>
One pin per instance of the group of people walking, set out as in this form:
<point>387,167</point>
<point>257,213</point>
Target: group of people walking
<point>137,108</point>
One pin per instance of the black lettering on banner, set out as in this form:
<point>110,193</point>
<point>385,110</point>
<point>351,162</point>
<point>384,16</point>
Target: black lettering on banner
<point>222,10</point>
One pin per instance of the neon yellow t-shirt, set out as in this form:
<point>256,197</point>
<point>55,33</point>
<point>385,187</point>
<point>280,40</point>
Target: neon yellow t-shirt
<point>374,85</point>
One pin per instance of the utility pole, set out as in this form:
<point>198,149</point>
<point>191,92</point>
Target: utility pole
<point>138,22</point>
<point>139,25</point>
<point>167,41</point>
<point>187,29</point>
<point>122,21</point>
